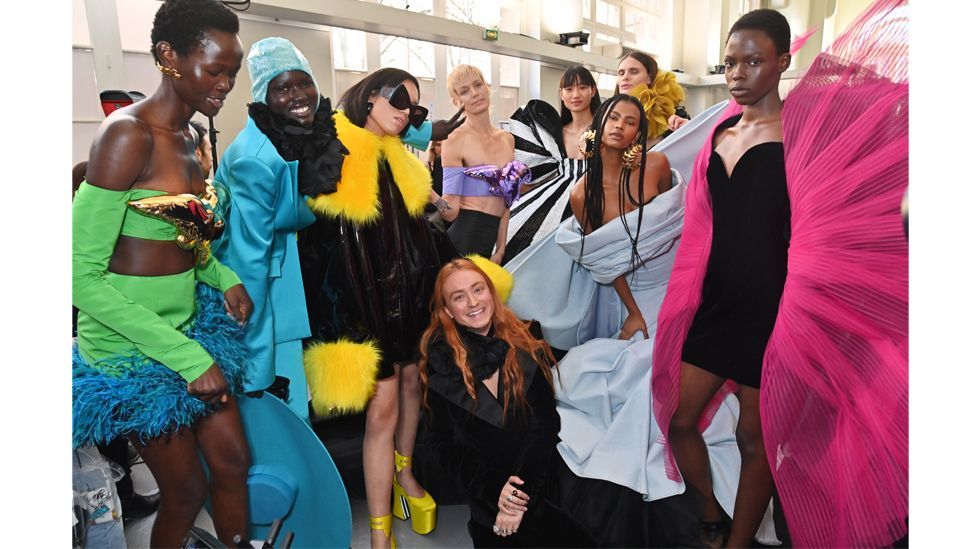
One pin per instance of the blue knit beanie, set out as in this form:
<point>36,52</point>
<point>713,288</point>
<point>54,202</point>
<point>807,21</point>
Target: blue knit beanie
<point>270,57</point>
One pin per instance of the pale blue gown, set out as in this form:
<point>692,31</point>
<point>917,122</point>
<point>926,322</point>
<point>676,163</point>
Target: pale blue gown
<point>603,387</point>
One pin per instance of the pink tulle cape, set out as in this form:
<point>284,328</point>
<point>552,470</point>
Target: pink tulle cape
<point>834,395</point>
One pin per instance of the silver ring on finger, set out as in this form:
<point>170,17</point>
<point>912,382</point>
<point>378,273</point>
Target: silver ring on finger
<point>495,528</point>
<point>508,498</point>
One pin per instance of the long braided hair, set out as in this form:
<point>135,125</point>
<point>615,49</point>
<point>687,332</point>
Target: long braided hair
<point>593,201</point>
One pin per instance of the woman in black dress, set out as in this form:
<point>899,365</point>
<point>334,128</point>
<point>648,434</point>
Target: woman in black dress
<point>368,264</point>
<point>487,384</point>
<point>745,274</point>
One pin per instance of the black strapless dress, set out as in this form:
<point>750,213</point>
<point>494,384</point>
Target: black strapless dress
<point>746,266</point>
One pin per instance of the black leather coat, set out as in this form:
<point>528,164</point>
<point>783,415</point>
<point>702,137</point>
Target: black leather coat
<point>373,281</point>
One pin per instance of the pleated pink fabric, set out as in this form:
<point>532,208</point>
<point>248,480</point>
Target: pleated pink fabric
<point>834,396</point>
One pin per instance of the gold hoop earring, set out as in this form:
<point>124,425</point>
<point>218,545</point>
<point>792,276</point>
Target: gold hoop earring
<point>586,143</point>
<point>632,156</point>
<point>169,71</point>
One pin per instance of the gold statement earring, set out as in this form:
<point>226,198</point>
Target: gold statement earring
<point>586,143</point>
<point>632,156</point>
<point>168,71</point>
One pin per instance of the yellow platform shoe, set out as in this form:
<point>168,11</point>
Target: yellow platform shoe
<point>421,511</point>
<point>385,524</point>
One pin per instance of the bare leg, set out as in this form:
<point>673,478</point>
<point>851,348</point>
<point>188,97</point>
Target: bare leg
<point>176,467</point>
<point>696,388</point>
<point>224,447</point>
<point>755,480</point>
<point>381,422</point>
<point>407,422</point>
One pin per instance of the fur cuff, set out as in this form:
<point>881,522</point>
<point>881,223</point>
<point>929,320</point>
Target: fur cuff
<point>341,375</point>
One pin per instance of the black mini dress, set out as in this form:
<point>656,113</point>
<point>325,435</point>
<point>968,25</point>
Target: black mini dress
<point>746,265</point>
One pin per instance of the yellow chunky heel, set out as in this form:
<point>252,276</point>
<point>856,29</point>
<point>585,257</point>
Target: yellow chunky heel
<point>385,524</point>
<point>421,511</point>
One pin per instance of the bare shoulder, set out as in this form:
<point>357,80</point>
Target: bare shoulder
<point>452,148</point>
<point>120,152</point>
<point>657,172</point>
<point>656,163</point>
<point>507,137</point>
<point>577,195</point>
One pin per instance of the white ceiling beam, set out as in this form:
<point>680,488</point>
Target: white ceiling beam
<point>370,17</point>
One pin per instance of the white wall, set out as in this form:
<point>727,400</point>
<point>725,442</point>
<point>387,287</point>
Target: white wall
<point>692,41</point>
<point>138,72</point>
<point>316,44</point>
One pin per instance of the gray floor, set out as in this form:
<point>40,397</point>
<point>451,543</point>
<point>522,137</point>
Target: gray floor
<point>137,531</point>
<point>451,528</point>
<point>451,531</point>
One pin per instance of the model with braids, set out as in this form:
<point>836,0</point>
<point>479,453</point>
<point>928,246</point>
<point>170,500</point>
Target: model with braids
<point>594,210</point>
<point>619,179</point>
<point>596,287</point>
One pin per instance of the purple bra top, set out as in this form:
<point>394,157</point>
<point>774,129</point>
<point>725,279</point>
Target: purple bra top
<point>488,180</point>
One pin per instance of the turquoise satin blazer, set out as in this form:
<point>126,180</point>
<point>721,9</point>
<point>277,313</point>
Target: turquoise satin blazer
<point>259,243</point>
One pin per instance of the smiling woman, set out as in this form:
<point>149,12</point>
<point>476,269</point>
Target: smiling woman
<point>287,150</point>
<point>488,385</point>
<point>157,354</point>
<point>293,94</point>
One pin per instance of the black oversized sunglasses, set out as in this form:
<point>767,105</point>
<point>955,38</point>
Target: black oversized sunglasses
<point>399,98</point>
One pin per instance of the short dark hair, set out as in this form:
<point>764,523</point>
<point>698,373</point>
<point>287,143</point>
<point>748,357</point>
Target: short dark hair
<point>650,65</point>
<point>771,22</point>
<point>578,75</point>
<point>355,102</point>
<point>201,134</point>
<point>183,22</point>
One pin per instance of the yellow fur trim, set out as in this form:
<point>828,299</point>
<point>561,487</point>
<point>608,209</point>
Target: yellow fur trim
<point>500,277</point>
<point>341,375</point>
<point>357,194</point>
<point>660,101</point>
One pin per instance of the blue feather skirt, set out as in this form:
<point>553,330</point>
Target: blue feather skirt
<point>145,398</point>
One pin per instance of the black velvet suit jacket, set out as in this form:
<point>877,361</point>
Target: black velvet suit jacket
<point>474,442</point>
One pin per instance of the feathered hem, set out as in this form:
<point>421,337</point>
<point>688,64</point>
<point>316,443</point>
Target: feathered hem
<point>147,398</point>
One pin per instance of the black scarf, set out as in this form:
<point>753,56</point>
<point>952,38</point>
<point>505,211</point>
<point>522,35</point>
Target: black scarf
<point>486,353</point>
<point>316,148</point>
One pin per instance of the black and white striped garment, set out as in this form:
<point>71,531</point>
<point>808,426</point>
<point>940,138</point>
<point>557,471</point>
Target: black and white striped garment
<point>538,143</point>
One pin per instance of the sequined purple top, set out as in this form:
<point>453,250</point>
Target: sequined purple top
<point>488,180</point>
